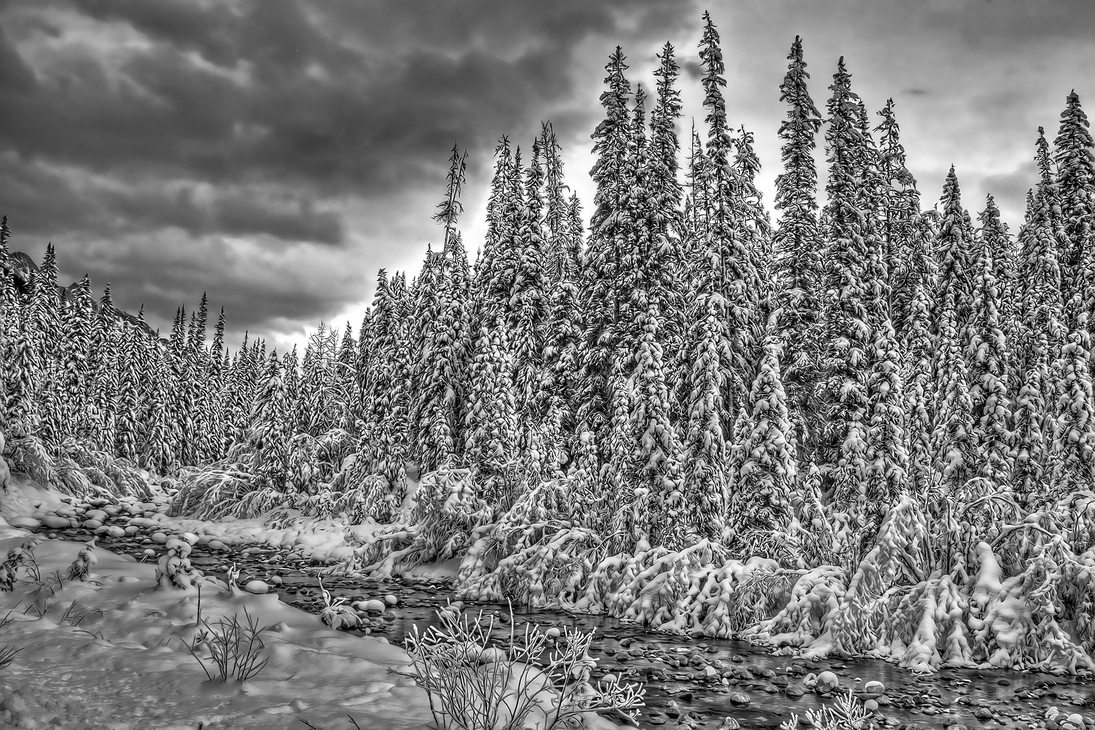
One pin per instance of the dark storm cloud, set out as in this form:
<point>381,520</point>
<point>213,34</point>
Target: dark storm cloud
<point>157,127</point>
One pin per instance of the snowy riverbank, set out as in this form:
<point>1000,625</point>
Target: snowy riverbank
<point>112,651</point>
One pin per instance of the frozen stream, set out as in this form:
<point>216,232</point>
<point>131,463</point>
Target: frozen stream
<point>704,679</point>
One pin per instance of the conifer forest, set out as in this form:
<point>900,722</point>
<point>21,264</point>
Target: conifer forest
<point>856,419</point>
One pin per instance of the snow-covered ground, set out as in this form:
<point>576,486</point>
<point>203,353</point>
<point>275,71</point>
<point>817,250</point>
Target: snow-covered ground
<point>112,651</point>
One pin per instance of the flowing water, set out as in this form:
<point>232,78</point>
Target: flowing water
<point>704,680</point>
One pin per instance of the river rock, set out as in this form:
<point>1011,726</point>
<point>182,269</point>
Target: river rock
<point>874,689</point>
<point>739,699</point>
<point>391,600</point>
<point>794,691</point>
<point>256,586</point>
<point>370,606</point>
<point>827,682</point>
<point>54,522</point>
<point>710,672</point>
<point>26,523</point>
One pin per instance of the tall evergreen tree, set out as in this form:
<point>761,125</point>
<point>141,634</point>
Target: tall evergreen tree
<point>1074,152</point>
<point>846,327</point>
<point>988,355</point>
<point>271,427</point>
<point>764,460</point>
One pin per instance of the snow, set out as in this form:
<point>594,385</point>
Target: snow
<point>111,652</point>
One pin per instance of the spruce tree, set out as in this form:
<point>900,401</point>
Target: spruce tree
<point>797,241</point>
<point>659,504</point>
<point>988,355</point>
<point>491,421</point>
<point>907,250</point>
<point>846,327</point>
<point>952,435</point>
<point>764,459</point>
<point>710,369</point>
<point>1074,152</point>
<point>271,427</point>
<point>1074,433</point>
<point>441,383</point>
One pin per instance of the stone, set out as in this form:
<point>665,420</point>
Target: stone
<point>874,688</point>
<point>55,522</point>
<point>827,682</point>
<point>14,702</point>
<point>870,706</point>
<point>794,691</point>
<point>739,699</point>
<point>26,523</point>
<point>710,672</point>
<point>391,600</point>
<point>256,586</point>
<point>983,713</point>
<point>372,606</point>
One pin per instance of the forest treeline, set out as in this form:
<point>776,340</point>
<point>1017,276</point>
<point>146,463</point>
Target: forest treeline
<point>687,367</point>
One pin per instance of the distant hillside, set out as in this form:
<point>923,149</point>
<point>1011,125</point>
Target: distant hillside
<point>22,268</point>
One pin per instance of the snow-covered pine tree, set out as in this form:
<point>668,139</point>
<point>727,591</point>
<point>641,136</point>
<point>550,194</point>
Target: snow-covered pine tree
<point>128,423</point>
<point>317,410</point>
<point>1073,451</point>
<point>1074,153</point>
<point>658,507</point>
<point>1042,331</point>
<point>601,267</point>
<point>442,376</point>
<point>797,242</point>
<point>952,434</point>
<point>739,278</point>
<point>104,373</point>
<point>383,440</point>
<point>669,286</point>
<point>907,251</point>
<point>76,323</point>
<point>988,355</point>
<point>491,420</point>
<point>848,337</point>
<point>764,465</point>
<point>214,387</point>
<point>529,317</point>
<point>45,316</point>
<point>709,367</point>
<point>562,352</point>
<point>158,448</point>
<point>271,428</point>
<point>21,408</point>
<point>9,309</point>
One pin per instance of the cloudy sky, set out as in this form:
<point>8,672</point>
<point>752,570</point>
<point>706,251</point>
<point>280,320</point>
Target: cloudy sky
<point>276,153</point>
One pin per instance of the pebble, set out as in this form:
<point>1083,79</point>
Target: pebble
<point>391,600</point>
<point>256,586</point>
<point>26,523</point>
